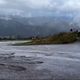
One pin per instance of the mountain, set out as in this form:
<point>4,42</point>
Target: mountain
<point>33,26</point>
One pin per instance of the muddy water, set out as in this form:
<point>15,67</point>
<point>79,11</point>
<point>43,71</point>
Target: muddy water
<point>41,62</point>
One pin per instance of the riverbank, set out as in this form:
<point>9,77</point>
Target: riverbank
<point>62,38</point>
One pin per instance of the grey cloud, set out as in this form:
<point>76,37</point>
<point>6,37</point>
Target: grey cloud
<point>42,6</point>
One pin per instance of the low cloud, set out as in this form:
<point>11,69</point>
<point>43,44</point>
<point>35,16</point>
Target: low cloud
<point>2,2</point>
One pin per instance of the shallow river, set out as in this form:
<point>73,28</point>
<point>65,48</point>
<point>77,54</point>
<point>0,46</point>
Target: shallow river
<point>62,61</point>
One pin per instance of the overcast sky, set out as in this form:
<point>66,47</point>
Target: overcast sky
<point>41,7</point>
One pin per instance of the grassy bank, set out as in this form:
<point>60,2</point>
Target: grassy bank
<point>62,38</point>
